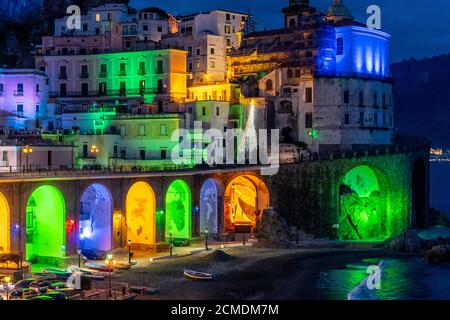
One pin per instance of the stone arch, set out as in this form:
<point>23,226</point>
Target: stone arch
<point>5,230</point>
<point>418,194</point>
<point>45,225</point>
<point>95,222</point>
<point>178,210</point>
<point>211,208</point>
<point>363,204</point>
<point>141,214</point>
<point>245,198</point>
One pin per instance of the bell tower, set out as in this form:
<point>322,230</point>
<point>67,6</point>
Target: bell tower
<point>293,13</point>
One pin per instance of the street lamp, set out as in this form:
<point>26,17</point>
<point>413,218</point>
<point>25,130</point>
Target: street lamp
<point>170,244</point>
<point>129,251</point>
<point>27,150</point>
<point>206,239</point>
<point>109,257</point>
<point>94,151</point>
<point>79,258</point>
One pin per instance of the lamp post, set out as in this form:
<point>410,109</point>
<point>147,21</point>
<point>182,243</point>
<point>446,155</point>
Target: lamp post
<point>206,239</point>
<point>109,257</point>
<point>94,151</point>
<point>27,150</point>
<point>129,251</point>
<point>170,244</point>
<point>79,258</point>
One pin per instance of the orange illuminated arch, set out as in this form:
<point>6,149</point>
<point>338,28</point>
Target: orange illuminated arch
<point>141,214</point>
<point>4,224</point>
<point>245,198</point>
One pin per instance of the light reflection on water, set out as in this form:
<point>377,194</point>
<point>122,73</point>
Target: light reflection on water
<point>403,279</point>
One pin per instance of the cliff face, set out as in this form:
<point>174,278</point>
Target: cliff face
<point>422,98</point>
<point>24,22</point>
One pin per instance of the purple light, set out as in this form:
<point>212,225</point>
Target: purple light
<point>17,226</point>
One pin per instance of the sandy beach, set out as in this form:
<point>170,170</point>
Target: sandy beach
<point>243,273</point>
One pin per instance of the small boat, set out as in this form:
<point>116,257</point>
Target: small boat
<point>195,275</point>
<point>98,267</point>
<point>86,272</point>
<point>143,290</point>
<point>58,273</point>
<point>122,266</point>
<point>44,276</point>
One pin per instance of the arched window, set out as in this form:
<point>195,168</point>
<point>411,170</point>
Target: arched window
<point>285,107</point>
<point>269,85</point>
<point>292,23</point>
<point>290,74</point>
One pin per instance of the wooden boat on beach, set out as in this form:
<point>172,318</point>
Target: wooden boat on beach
<point>98,267</point>
<point>86,272</point>
<point>195,275</point>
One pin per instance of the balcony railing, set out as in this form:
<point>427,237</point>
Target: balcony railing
<point>103,74</point>
<point>122,73</point>
<point>84,75</point>
<point>141,72</point>
<point>62,76</point>
<point>18,93</point>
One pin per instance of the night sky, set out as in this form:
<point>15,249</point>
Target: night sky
<point>420,28</point>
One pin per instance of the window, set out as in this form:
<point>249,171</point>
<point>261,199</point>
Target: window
<point>197,65</point>
<point>384,120</point>
<point>203,111</point>
<point>198,51</point>
<point>213,64</point>
<point>97,31</point>
<point>346,96</point>
<point>163,154</point>
<point>340,46</point>
<point>63,89</point>
<point>5,156</point>
<point>20,108</point>
<point>38,89</point>
<point>228,42</point>
<point>142,154</point>
<point>214,95</point>
<point>145,27</point>
<point>85,27</point>
<point>308,95</point>
<point>97,17</point>
<point>123,88</point>
<point>361,98</point>
<point>160,29</point>
<point>110,16</point>
<point>163,130</point>
<point>85,89</point>
<point>142,67</point>
<point>84,71</point>
<point>37,108</point>
<point>115,150</point>
<point>1,87</point>
<point>375,99</point>
<point>227,17</point>
<point>142,130</point>
<point>103,70</point>
<point>361,118</point>
<point>269,85</point>
<point>159,67</point>
<point>217,111</point>
<point>123,69</point>
<point>384,102</point>
<point>285,107</point>
<point>190,66</point>
<point>102,88</point>
<point>346,118</point>
<point>308,120</point>
<point>212,50</point>
<point>227,29</point>
<point>375,119</point>
<point>160,86</point>
<point>20,87</point>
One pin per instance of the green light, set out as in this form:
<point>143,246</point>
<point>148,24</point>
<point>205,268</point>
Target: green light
<point>313,134</point>
<point>45,216</point>
<point>178,210</point>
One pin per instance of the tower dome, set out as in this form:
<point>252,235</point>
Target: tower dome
<point>338,11</point>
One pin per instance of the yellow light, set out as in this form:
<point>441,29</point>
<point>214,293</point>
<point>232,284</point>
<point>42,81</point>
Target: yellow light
<point>109,256</point>
<point>7,279</point>
<point>27,149</point>
<point>94,149</point>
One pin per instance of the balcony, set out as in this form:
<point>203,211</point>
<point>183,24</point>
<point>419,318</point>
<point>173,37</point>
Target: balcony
<point>142,72</point>
<point>62,76</point>
<point>122,73</point>
<point>18,93</point>
<point>103,74</point>
<point>159,71</point>
<point>84,75</point>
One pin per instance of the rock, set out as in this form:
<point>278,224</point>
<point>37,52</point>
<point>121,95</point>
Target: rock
<point>408,241</point>
<point>273,229</point>
<point>439,254</point>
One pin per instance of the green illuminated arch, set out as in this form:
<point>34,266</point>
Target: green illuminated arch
<point>178,210</point>
<point>362,206</point>
<point>4,224</point>
<point>45,219</point>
